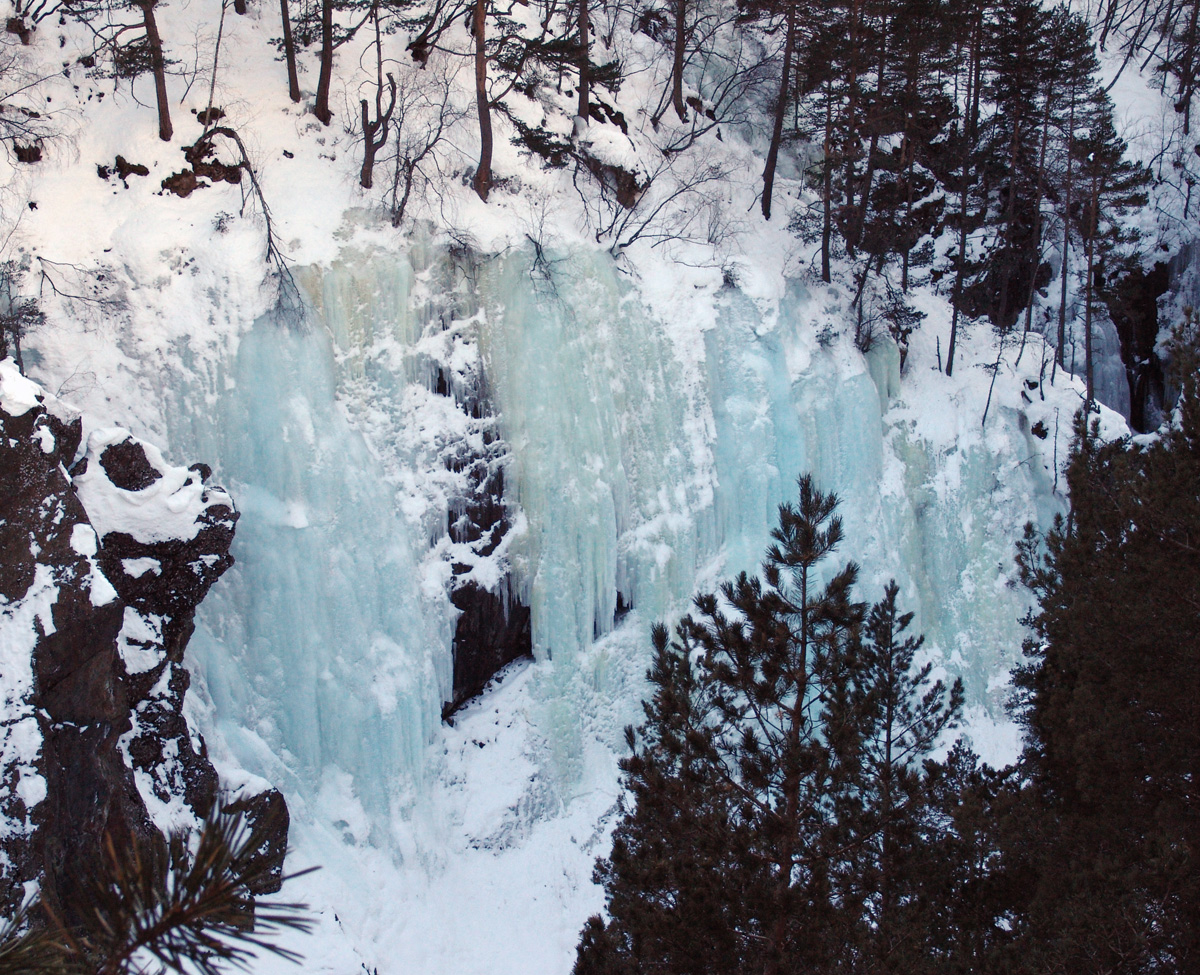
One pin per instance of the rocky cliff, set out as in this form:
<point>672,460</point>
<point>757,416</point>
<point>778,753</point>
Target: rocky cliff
<point>106,550</point>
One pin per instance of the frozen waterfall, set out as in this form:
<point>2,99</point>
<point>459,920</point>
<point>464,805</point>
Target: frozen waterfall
<point>645,458</point>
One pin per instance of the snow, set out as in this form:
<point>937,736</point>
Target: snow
<point>140,641</point>
<point>648,457</point>
<point>83,540</point>
<point>136,568</point>
<point>169,508</point>
<point>18,395</point>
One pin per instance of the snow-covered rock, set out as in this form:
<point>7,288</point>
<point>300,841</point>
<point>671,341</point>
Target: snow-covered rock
<point>104,558</point>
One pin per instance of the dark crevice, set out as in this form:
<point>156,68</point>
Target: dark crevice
<point>1133,303</point>
<point>624,607</point>
<point>493,627</point>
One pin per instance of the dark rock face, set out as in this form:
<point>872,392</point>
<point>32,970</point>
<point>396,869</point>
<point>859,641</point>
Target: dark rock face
<point>492,631</point>
<point>494,628</point>
<point>77,697</point>
<point>488,637</point>
<point>101,745</point>
<point>126,466</point>
<point>1133,304</point>
<point>266,815</point>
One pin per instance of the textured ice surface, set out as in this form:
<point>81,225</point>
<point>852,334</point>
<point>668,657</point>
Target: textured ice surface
<point>646,457</point>
<point>319,649</point>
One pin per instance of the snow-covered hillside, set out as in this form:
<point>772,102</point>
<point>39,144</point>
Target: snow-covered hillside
<point>650,382</point>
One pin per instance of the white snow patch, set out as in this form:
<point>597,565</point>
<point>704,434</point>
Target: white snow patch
<point>136,568</point>
<point>18,395</point>
<point>140,641</point>
<point>168,508</point>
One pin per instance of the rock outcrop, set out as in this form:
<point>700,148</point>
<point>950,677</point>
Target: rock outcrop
<point>106,550</point>
<point>493,627</point>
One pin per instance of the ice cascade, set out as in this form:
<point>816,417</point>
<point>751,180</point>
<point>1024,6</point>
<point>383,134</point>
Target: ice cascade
<point>644,457</point>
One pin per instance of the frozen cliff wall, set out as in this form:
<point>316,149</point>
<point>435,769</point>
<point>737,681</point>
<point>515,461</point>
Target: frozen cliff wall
<point>105,552</point>
<point>645,434</point>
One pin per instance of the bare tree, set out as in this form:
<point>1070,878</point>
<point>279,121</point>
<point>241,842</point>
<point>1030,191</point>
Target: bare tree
<point>288,304</point>
<point>731,71</point>
<point>30,13</point>
<point>585,36</point>
<point>18,316</point>
<point>375,131</point>
<point>423,115</point>
<point>699,37</point>
<point>670,205</point>
<point>430,27</point>
<point>22,127</point>
<point>483,172</point>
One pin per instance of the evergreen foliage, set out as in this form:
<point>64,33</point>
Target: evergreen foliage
<point>154,906</point>
<point>782,814</point>
<point>775,791</point>
<point>1110,700</point>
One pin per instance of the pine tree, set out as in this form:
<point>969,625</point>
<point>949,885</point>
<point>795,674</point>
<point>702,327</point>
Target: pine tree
<point>153,905</point>
<point>964,884</point>
<point>671,870</point>
<point>897,205</point>
<point>1016,63</point>
<point>906,713</point>
<point>1075,66</point>
<point>774,794</point>
<point>1112,186</point>
<point>1111,703</point>
<point>969,45</point>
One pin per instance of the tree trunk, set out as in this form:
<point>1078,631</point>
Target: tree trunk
<point>827,185</point>
<point>1037,215</point>
<point>886,802</point>
<point>1187,72</point>
<point>366,174</point>
<point>398,208</point>
<point>1087,310</point>
<point>907,157</point>
<point>483,174</point>
<point>906,151</point>
<point>969,124</point>
<point>321,109</point>
<point>585,31</point>
<point>785,861</point>
<point>677,64</point>
<point>851,125</point>
<point>165,130</point>
<point>1010,216</point>
<point>379,127</point>
<point>1062,302</point>
<point>860,212</point>
<point>383,116</point>
<point>1011,264</point>
<point>780,109</point>
<point>289,52</point>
